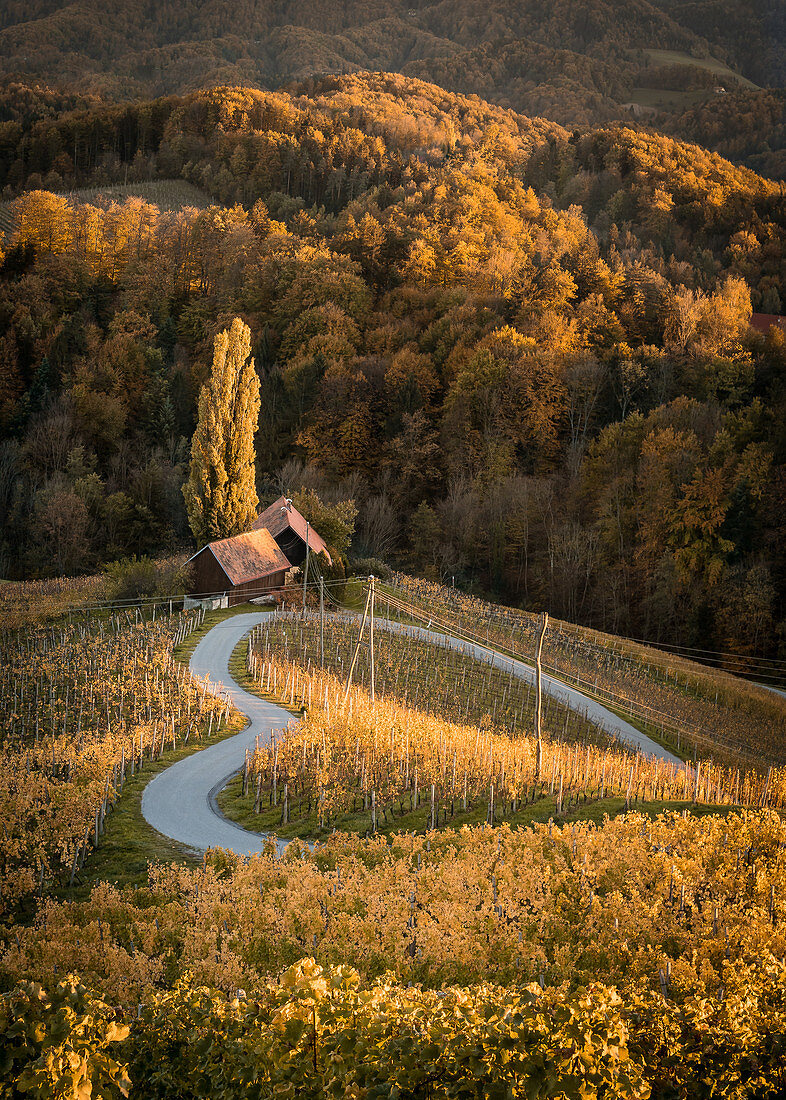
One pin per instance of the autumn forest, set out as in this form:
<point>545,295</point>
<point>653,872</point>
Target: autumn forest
<point>522,345</point>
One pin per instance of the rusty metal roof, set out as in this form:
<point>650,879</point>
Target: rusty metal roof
<point>281,515</point>
<point>250,556</point>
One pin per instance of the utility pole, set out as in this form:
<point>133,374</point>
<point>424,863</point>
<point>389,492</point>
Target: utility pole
<point>371,584</point>
<point>306,563</point>
<point>321,621</point>
<point>544,620</point>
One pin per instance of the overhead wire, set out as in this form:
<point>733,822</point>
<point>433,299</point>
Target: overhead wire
<point>705,657</point>
<point>641,710</point>
<point>136,601</point>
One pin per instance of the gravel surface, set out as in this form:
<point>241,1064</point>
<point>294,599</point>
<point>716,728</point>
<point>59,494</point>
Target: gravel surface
<point>181,801</point>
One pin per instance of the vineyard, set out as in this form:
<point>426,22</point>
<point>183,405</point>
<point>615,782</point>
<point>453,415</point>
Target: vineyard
<point>684,704</point>
<point>429,675</point>
<point>444,735</point>
<point>562,903</point>
<point>658,943</point>
<point>457,929</point>
<point>23,603</point>
<point>87,703</point>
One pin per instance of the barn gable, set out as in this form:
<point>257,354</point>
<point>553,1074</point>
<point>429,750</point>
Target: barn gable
<point>288,527</point>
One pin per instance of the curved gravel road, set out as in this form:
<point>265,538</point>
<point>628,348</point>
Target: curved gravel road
<point>181,801</point>
<point>557,689</point>
<point>778,691</point>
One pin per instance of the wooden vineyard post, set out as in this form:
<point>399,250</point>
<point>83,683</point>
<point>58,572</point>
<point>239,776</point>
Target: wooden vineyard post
<point>258,798</point>
<point>275,772</point>
<point>542,624</point>
<point>371,637</point>
<point>357,647</point>
<point>766,793</point>
<point>321,621</point>
<point>305,571</point>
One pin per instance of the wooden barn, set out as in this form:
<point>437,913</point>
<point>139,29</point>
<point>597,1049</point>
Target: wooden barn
<point>290,530</point>
<point>239,568</point>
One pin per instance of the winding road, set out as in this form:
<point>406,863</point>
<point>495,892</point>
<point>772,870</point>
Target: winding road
<point>565,694</point>
<point>180,802</point>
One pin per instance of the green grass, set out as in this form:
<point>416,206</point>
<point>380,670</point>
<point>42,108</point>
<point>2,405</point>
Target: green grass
<point>678,57</point>
<point>354,594</point>
<point>662,99</point>
<point>399,818</point>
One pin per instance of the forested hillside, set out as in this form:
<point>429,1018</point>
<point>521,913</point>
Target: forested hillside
<point>524,352</point>
<point>576,63</point>
<point>746,126</point>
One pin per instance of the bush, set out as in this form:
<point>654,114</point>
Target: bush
<point>366,567</point>
<point>291,599</point>
<point>135,578</point>
<point>319,1033</point>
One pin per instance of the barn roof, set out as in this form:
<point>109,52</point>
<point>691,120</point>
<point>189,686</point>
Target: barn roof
<point>763,322</point>
<point>281,515</point>
<point>249,556</point>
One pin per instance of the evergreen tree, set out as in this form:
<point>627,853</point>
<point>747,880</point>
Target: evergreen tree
<point>220,493</point>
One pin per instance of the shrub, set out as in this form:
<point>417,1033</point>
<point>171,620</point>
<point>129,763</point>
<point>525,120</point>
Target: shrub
<point>135,578</point>
<point>366,567</point>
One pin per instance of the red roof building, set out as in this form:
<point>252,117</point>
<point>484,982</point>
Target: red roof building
<point>240,568</point>
<point>289,529</point>
<point>763,322</point>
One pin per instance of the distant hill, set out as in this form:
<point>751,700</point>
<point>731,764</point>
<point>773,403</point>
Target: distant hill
<point>577,63</point>
<point>746,126</point>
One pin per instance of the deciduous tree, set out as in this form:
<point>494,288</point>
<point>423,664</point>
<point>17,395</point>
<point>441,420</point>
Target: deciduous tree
<point>220,493</point>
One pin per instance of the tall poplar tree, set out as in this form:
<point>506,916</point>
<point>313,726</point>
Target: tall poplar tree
<point>221,496</point>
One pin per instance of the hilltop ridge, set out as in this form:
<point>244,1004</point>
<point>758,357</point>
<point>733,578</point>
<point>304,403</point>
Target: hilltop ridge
<point>575,63</point>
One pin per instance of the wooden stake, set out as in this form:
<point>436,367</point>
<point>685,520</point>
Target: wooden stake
<point>542,624</point>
